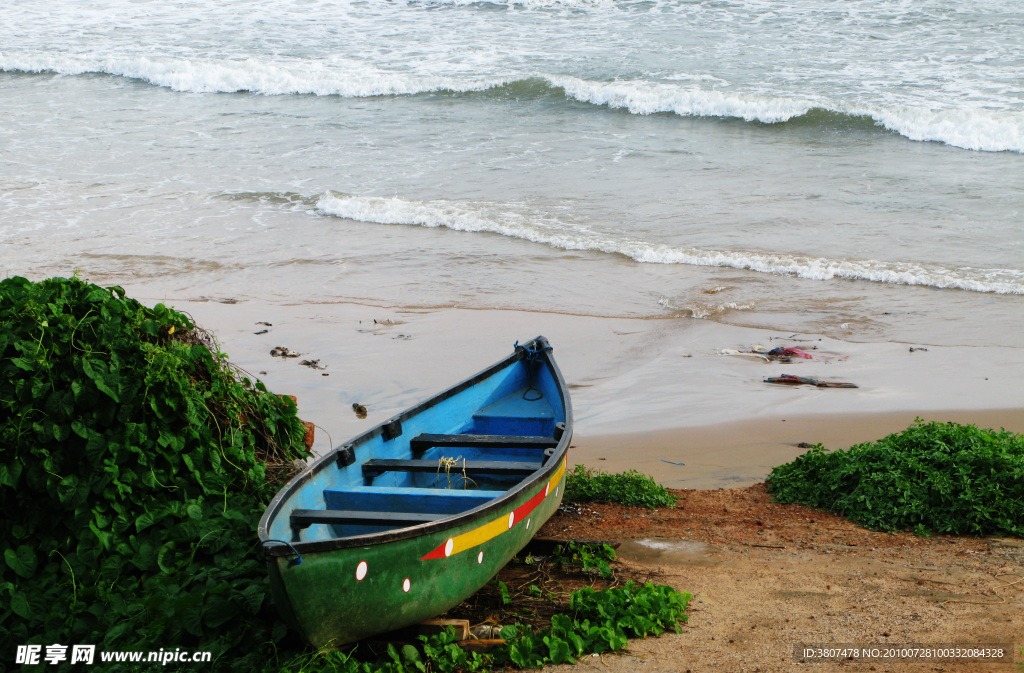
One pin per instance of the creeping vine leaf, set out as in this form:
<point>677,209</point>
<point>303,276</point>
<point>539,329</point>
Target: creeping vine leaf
<point>133,466</point>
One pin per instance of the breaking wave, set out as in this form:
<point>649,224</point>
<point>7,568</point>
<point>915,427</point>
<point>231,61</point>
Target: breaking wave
<point>506,221</point>
<point>688,95</point>
<point>348,78</point>
<point>978,128</point>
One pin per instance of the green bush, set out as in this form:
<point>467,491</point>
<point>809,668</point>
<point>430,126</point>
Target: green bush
<point>133,474</point>
<point>631,488</point>
<point>930,478</point>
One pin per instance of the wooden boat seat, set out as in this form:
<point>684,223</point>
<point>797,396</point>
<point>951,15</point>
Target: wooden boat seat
<point>427,441</point>
<point>301,518</point>
<point>407,499</point>
<point>503,468</point>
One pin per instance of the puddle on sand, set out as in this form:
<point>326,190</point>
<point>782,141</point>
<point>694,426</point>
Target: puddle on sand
<point>667,551</point>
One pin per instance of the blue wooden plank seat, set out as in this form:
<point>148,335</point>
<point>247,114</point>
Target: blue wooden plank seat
<point>503,468</point>
<point>407,499</point>
<point>390,506</point>
<point>301,518</point>
<point>426,441</point>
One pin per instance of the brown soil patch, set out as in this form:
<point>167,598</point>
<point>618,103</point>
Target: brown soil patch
<point>766,578</point>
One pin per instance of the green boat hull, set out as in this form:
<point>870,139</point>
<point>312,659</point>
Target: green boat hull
<point>324,599</point>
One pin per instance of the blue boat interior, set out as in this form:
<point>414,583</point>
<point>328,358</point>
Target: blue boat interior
<point>450,455</point>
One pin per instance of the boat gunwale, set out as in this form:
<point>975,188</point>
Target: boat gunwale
<point>539,344</point>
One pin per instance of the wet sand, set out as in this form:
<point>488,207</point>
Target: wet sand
<point>644,391</point>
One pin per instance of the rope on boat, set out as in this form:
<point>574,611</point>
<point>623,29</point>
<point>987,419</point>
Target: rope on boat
<point>532,361</point>
<point>532,353</point>
<point>447,464</point>
<point>298,557</point>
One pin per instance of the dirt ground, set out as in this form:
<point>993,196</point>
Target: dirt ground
<point>767,579</point>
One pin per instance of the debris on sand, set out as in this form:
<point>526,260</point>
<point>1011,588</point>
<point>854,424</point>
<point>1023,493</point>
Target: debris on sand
<point>219,300</point>
<point>806,380</point>
<point>783,354</point>
<point>282,352</point>
<point>378,325</point>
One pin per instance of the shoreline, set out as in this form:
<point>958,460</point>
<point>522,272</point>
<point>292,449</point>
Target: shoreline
<point>643,390</point>
<point>742,453</point>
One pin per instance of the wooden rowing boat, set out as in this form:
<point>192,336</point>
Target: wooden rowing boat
<point>412,517</point>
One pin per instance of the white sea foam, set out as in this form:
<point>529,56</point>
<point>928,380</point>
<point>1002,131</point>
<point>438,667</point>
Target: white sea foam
<point>643,97</point>
<point>515,223</point>
<point>690,77</point>
<point>347,78</point>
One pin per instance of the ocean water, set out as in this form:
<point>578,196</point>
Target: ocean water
<point>852,168</point>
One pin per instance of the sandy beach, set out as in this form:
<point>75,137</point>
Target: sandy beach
<point>659,395</point>
<point>769,579</point>
<point>647,393</point>
<point>743,452</point>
